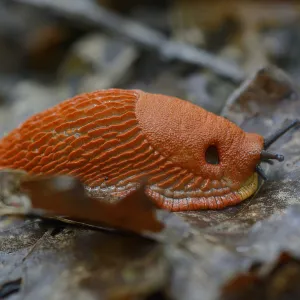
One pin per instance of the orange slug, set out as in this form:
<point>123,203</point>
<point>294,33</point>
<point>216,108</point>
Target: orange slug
<point>112,140</point>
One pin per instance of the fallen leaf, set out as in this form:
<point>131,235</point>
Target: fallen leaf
<point>275,281</point>
<point>66,196</point>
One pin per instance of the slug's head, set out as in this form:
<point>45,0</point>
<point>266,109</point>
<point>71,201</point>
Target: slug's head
<point>229,157</point>
<point>234,156</point>
<point>218,162</point>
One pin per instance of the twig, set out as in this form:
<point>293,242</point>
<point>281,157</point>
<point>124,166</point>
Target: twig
<point>35,245</point>
<point>93,14</point>
<point>10,287</point>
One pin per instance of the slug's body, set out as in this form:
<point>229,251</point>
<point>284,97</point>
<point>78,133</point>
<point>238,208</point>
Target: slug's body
<point>115,139</point>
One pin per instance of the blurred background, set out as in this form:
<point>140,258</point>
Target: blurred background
<point>197,50</point>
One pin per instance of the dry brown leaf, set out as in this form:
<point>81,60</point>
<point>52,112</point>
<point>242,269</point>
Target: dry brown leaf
<point>65,196</point>
<point>278,280</point>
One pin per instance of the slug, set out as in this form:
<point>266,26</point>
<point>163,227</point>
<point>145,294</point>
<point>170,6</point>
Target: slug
<point>114,140</point>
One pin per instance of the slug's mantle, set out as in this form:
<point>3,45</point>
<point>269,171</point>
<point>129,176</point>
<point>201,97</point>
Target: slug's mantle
<point>115,139</point>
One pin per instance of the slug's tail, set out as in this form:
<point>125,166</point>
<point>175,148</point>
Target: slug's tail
<point>77,137</point>
<point>6,144</point>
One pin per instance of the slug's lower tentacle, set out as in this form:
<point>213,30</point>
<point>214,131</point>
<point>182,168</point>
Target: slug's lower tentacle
<point>259,170</point>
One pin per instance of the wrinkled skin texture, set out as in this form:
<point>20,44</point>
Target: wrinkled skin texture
<point>113,140</point>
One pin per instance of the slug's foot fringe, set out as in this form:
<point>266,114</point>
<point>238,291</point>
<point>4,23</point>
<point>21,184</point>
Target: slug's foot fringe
<point>203,203</point>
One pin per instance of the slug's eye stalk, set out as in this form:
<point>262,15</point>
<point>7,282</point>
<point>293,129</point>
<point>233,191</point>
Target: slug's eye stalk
<point>265,155</point>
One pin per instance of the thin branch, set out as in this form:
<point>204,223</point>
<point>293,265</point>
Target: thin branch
<point>91,13</point>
